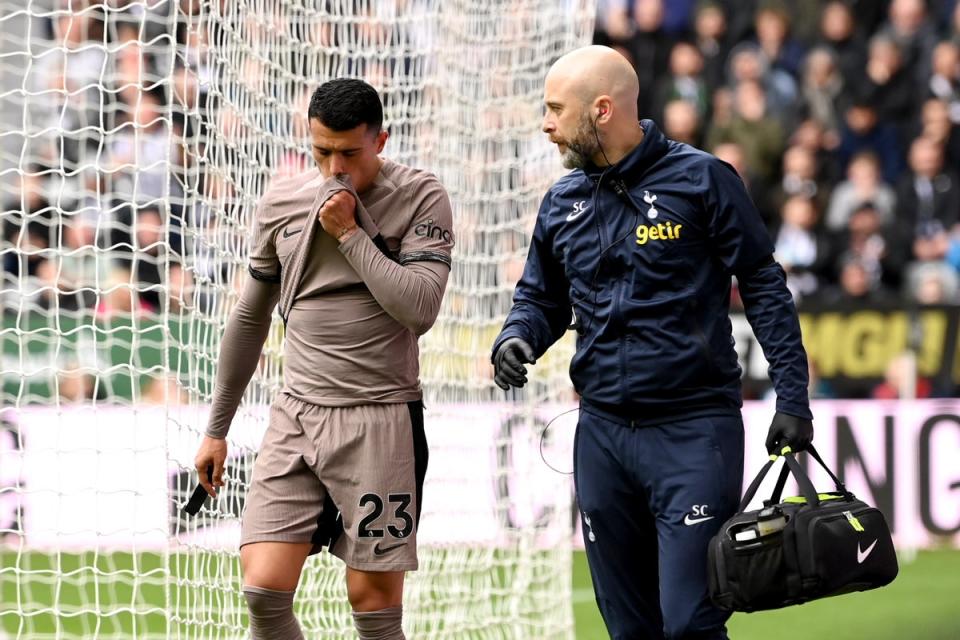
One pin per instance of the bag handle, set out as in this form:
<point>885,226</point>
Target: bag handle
<point>784,472</point>
<point>803,480</point>
<point>752,489</point>
<point>791,466</point>
<point>836,481</point>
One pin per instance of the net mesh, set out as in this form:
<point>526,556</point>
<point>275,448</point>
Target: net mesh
<point>137,138</point>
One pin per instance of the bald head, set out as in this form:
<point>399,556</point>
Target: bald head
<point>592,72</point>
<point>590,95</point>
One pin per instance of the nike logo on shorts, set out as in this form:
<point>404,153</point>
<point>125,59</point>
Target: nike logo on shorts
<point>862,555</point>
<point>379,551</point>
<point>687,520</point>
<point>287,234</point>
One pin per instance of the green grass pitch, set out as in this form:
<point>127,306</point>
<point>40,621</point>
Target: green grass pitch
<point>128,592</point>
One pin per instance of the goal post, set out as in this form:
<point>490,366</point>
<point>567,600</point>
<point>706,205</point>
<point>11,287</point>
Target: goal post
<point>137,138</point>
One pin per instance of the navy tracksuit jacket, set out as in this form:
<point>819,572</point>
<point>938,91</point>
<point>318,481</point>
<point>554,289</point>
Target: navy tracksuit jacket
<point>643,254</point>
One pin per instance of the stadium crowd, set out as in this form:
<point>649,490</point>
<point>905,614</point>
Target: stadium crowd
<point>841,116</point>
<point>99,177</point>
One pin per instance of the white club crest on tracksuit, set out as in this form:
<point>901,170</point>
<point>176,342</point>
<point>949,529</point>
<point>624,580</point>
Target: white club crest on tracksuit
<point>649,198</point>
<point>590,535</point>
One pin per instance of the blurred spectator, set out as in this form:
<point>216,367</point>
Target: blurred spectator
<point>68,90</point>
<point>863,185</point>
<point>838,30</point>
<point>759,135</point>
<point>945,80</point>
<point>29,211</point>
<point>649,48</point>
<point>932,283</point>
<point>722,107</point>
<point>928,200</point>
<point>804,18</point>
<point>803,252</point>
<point>900,380</point>
<point>870,14</point>
<point>740,18</point>
<point>146,163</point>
<point>148,252</point>
<point>28,228</point>
<point>931,244</point>
<point>914,33</point>
<point>131,66</point>
<point>710,31</point>
<point>748,64</point>
<point>882,253</point>
<point>935,125</point>
<point>614,24</point>
<point>863,131</point>
<point>811,135</point>
<point>681,122</point>
<point>888,85</point>
<point>82,270</point>
<point>152,259</point>
<point>732,153</point>
<point>772,28</point>
<point>854,287</point>
<point>193,55</point>
<point>684,82</point>
<point>822,88</point>
<point>140,152</point>
<point>799,179</point>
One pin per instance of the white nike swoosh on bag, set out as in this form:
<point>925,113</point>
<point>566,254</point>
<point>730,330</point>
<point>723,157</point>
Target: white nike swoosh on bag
<point>862,555</point>
<point>687,520</point>
<point>574,215</point>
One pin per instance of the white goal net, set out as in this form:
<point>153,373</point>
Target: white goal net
<point>136,138</point>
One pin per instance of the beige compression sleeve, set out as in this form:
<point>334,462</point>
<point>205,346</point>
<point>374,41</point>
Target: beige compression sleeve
<point>240,350</point>
<point>410,293</point>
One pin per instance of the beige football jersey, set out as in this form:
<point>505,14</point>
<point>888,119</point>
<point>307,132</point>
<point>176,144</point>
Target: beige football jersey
<point>342,346</point>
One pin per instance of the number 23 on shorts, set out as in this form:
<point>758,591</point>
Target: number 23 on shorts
<point>401,502</point>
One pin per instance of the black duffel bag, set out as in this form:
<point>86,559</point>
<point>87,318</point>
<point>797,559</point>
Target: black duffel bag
<point>799,549</point>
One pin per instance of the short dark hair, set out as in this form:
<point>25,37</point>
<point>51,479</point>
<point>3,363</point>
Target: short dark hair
<point>346,103</point>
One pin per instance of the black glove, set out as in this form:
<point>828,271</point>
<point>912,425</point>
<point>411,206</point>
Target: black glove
<point>788,430</point>
<point>508,369</point>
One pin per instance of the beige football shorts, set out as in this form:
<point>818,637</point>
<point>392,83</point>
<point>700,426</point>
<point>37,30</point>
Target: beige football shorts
<point>349,478</point>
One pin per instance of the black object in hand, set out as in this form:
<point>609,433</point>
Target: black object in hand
<point>199,495</point>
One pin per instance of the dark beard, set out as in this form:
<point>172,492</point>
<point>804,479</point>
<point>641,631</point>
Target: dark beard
<point>581,148</point>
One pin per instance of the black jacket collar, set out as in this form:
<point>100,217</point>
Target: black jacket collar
<point>632,166</point>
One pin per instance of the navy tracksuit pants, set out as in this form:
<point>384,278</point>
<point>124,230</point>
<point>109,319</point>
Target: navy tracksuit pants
<point>650,499</point>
